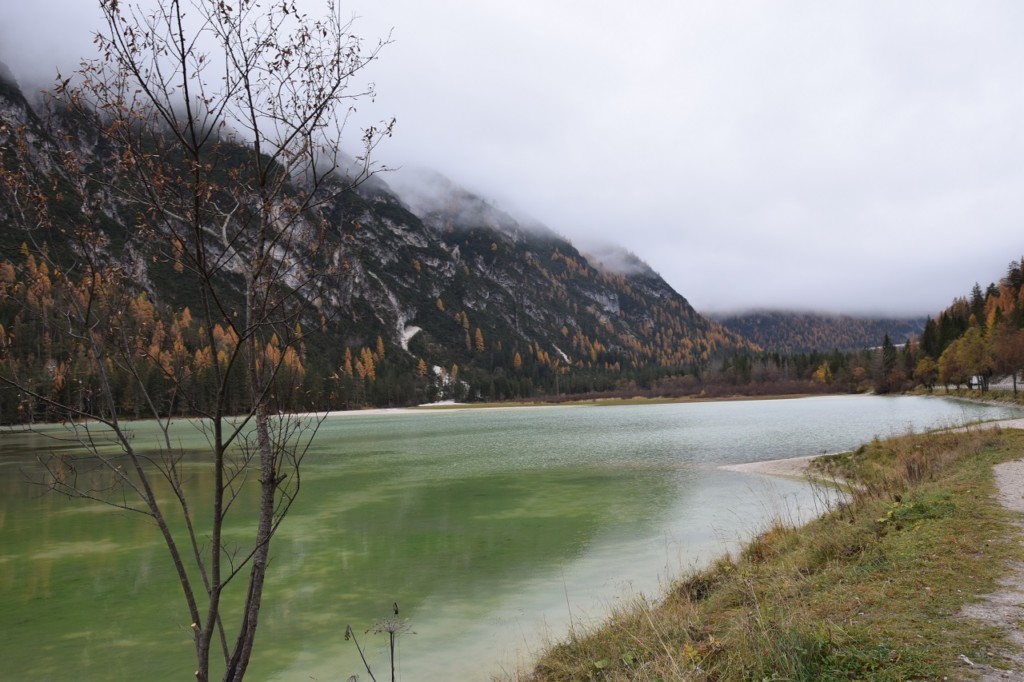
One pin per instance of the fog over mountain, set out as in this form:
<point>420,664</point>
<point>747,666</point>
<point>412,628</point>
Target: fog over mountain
<point>421,284</point>
<point>850,157</point>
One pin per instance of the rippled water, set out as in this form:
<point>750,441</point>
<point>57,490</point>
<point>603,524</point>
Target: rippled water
<point>491,528</point>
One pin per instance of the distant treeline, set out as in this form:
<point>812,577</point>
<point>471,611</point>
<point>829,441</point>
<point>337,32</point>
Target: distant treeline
<point>978,337</point>
<point>798,332</point>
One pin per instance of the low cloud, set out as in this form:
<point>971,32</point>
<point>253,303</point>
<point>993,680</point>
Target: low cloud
<point>830,156</point>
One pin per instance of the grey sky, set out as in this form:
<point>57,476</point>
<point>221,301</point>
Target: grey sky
<point>851,156</point>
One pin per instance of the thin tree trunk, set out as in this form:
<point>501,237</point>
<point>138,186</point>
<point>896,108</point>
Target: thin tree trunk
<point>268,487</point>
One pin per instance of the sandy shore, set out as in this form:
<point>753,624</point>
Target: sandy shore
<point>1000,424</point>
<point>796,467</point>
<point>793,467</point>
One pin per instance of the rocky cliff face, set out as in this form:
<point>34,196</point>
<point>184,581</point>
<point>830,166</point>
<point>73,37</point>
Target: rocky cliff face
<point>492,307</point>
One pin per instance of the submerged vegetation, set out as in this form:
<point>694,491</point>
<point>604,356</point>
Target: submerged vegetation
<point>870,590</point>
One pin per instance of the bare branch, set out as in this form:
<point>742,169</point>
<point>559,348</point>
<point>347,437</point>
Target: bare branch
<point>212,136</point>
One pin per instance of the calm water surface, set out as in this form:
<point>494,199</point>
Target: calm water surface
<point>491,528</point>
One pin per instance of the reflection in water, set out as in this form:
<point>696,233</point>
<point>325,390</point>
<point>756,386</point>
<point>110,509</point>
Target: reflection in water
<point>489,527</point>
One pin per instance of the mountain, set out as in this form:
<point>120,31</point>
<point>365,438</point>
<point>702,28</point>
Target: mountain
<point>442,293</point>
<point>801,332</point>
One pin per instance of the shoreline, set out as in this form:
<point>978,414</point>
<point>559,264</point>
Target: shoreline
<point>797,467</point>
<point>591,402</point>
<point>1017,423</point>
<point>788,467</point>
<point>451,405</point>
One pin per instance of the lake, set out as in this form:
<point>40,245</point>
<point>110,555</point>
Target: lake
<point>493,529</point>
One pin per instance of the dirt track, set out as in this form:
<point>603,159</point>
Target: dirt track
<point>1004,608</point>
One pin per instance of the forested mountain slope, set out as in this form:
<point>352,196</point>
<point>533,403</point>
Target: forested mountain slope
<point>448,297</point>
<point>800,332</point>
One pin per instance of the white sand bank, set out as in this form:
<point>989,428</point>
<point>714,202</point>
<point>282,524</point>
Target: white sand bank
<point>792,467</point>
<point>1000,424</point>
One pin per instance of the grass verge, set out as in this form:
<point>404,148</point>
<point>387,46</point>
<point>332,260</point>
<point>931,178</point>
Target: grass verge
<point>869,591</point>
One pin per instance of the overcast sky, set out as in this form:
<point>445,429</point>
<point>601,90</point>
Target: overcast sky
<point>862,156</point>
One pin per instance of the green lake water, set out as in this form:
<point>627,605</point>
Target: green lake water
<point>493,530</point>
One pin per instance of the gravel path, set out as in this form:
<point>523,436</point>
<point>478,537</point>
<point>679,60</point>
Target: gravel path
<point>1004,608</point>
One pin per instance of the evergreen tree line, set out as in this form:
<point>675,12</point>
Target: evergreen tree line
<point>978,337</point>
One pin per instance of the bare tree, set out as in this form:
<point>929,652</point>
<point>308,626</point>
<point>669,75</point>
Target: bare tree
<point>209,133</point>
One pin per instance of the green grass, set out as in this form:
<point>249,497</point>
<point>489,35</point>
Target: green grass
<point>869,591</point>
